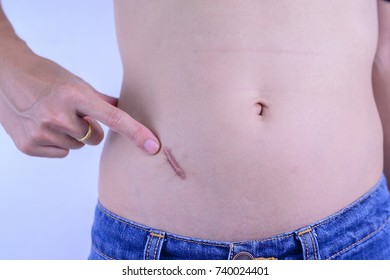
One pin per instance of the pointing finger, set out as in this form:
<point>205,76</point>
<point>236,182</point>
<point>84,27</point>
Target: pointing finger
<point>120,122</point>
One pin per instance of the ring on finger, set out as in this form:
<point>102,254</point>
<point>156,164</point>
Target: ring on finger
<point>88,134</point>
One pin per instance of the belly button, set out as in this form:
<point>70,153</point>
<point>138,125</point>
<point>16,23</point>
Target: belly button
<point>260,108</point>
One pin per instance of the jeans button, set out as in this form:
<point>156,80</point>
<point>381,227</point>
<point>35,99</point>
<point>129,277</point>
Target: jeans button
<point>243,256</point>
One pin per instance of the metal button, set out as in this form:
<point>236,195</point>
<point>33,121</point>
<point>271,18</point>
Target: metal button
<point>243,256</point>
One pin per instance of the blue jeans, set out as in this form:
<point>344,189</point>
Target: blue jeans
<point>359,231</point>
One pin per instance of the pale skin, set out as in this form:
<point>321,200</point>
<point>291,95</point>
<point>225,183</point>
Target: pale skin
<point>42,105</point>
<point>264,112</point>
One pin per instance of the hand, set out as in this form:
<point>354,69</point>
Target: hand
<point>45,109</point>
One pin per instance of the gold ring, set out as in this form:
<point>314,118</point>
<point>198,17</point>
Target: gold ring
<point>88,134</point>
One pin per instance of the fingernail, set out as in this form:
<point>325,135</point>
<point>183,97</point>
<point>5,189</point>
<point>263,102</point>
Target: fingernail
<point>151,146</point>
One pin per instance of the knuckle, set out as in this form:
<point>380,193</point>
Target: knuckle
<point>65,89</point>
<point>51,118</point>
<point>138,134</point>
<point>70,92</point>
<point>75,145</point>
<point>30,141</point>
<point>38,137</point>
<point>26,148</point>
<point>113,118</point>
<point>49,121</point>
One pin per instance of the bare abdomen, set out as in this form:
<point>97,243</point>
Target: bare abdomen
<point>263,130</point>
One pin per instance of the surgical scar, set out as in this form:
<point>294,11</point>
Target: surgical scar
<point>172,161</point>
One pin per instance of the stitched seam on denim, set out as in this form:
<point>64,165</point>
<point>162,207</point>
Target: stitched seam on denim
<point>263,240</point>
<point>334,216</point>
<point>123,222</point>
<point>360,240</point>
<point>197,242</point>
<point>314,245</point>
<point>231,251</point>
<point>101,254</point>
<point>155,249</point>
<point>351,206</point>
<point>146,230</point>
<point>147,250</point>
<point>306,247</point>
<point>265,259</point>
<point>192,241</point>
<point>367,195</point>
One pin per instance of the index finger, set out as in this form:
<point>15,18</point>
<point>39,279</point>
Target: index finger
<point>120,122</point>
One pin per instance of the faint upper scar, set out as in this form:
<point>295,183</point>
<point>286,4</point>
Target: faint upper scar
<point>173,162</point>
<point>256,50</point>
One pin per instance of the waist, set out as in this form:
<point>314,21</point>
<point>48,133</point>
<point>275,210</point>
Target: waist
<point>343,235</point>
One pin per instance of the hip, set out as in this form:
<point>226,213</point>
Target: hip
<point>360,230</point>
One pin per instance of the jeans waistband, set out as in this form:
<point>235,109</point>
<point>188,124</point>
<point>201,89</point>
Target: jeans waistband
<point>114,237</point>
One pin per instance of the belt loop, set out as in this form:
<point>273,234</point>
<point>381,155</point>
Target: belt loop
<point>154,244</point>
<point>231,251</point>
<point>308,240</point>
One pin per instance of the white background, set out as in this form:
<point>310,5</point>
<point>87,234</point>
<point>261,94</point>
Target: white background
<point>47,205</point>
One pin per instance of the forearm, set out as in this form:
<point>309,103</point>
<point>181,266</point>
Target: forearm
<point>381,86</point>
<point>5,27</point>
<point>10,43</point>
<point>15,56</point>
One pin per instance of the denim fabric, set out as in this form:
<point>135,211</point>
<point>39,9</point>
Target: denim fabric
<point>359,231</point>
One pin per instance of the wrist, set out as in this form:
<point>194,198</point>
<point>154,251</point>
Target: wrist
<point>10,45</point>
<point>10,42</point>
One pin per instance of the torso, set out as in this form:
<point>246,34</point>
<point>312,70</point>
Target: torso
<point>195,73</point>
